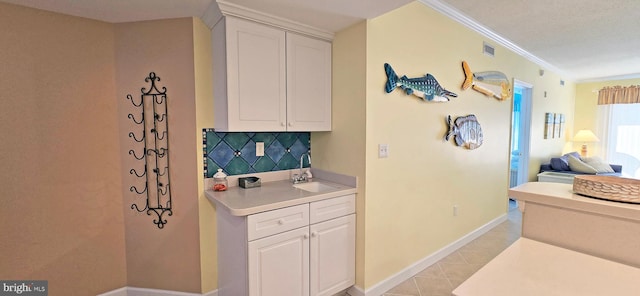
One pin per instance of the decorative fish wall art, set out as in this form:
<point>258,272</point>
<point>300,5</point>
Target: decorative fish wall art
<point>490,83</point>
<point>426,88</point>
<point>467,131</point>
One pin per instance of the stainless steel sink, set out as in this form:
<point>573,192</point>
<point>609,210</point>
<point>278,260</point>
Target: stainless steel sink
<point>314,187</point>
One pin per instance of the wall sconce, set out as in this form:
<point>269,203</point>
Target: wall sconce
<point>584,137</point>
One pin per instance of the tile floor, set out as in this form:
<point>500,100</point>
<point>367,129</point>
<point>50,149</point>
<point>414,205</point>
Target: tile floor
<point>444,276</point>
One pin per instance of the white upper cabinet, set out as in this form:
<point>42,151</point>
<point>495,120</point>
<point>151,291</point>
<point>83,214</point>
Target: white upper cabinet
<point>267,79</point>
<point>308,84</point>
<point>250,86</point>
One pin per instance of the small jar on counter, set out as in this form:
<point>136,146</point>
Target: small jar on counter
<point>220,181</point>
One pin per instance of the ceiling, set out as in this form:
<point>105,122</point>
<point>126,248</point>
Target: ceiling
<point>583,40</point>
<point>586,39</point>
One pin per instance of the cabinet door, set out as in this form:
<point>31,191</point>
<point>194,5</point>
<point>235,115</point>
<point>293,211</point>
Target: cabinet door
<point>279,264</point>
<point>256,76</point>
<point>333,255</point>
<point>308,84</point>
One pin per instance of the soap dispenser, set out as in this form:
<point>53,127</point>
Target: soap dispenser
<point>220,181</point>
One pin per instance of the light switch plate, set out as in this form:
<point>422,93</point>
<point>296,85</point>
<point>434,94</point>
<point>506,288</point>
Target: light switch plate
<point>259,148</point>
<point>383,150</point>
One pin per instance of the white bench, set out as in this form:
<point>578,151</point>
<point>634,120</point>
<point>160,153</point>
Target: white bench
<point>532,268</point>
<point>556,177</point>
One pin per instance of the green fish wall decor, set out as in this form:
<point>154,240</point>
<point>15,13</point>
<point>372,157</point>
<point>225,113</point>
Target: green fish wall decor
<point>426,88</point>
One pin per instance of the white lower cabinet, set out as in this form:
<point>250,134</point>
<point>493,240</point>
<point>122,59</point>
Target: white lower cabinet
<point>279,264</point>
<point>333,245</point>
<point>274,254</point>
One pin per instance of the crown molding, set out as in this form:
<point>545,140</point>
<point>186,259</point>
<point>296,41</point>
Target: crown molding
<point>461,18</point>
<point>218,9</point>
<point>610,78</point>
<point>212,15</point>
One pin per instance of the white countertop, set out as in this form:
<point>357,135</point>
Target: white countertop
<point>529,267</point>
<point>561,195</point>
<point>272,195</point>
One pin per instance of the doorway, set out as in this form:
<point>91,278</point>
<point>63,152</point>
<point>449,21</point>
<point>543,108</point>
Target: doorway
<point>520,133</point>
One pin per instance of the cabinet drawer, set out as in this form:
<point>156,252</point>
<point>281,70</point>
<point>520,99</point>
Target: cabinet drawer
<point>277,221</point>
<point>332,208</point>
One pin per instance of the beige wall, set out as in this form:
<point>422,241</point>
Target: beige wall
<point>64,82</point>
<point>167,258</point>
<point>407,202</point>
<point>61,213</point>
<point>204,119</point>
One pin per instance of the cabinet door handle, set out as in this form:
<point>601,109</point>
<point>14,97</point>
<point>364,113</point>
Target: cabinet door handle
<point>314,234</point>
<point>290,124</point>
<point>281,221</point>
<point>306,235</point>
<point>282,124</point>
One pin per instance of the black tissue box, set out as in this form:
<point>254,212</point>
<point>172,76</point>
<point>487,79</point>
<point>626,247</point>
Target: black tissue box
<point>249,182</point>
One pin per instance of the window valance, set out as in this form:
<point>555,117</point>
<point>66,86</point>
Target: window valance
<point>619,95</point>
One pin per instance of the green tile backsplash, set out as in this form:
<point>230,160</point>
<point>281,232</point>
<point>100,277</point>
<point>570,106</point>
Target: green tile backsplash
<point>235,153</point>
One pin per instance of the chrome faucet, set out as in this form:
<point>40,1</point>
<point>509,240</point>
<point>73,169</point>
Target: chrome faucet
<point>302,177</point>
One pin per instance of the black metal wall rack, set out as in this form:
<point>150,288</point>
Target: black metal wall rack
<point>152,151</point>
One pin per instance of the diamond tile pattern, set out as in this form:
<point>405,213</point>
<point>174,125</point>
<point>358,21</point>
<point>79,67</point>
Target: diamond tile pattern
<point>235,153</point>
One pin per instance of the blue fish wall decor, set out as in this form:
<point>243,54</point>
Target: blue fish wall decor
<point>467,131</point>
<point>426,88</point>
<point>490,83</point>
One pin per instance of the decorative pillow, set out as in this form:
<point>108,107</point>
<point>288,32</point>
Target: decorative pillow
<point>560,163</point>
<point>597,163</point>
<point>574,153</point>
<point>578,165</point>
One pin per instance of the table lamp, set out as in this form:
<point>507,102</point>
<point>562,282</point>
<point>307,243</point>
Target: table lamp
<point>584,137</point>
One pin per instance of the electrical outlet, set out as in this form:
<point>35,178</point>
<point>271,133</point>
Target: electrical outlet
<point>383,150</point>
<point>259,148</point>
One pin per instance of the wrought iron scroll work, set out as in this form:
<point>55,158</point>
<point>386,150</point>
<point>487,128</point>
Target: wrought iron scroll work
<point>152,151</point>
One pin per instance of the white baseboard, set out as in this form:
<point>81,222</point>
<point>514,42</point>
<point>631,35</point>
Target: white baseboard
<point>405,274</point>
<point>118,292</point>
<point>211,293</point>
<point>133,291</point>
<point>376,290</point>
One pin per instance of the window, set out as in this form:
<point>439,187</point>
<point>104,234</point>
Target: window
<point>619,132</point>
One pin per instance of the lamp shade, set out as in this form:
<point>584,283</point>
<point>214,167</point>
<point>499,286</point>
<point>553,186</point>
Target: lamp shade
<point>585,136</point>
